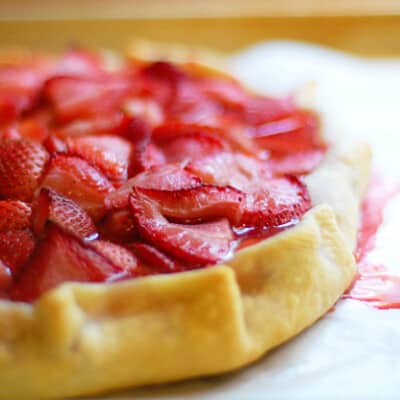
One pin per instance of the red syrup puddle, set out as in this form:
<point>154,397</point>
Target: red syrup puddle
<point>374,283</point>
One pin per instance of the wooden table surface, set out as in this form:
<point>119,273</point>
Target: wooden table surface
<point>367,27</point>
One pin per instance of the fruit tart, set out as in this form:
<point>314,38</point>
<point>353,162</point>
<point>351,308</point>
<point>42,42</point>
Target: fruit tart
<point>159,221</point>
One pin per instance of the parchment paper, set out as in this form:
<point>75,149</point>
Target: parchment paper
<point>354,351</point>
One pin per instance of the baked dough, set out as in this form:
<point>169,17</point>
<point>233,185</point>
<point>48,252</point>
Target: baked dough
<point>87,338</point>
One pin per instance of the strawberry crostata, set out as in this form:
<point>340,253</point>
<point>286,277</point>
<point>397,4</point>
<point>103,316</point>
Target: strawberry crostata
<point>158,221</point>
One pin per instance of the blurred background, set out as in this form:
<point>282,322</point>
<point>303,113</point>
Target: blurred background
<point>366,27</point>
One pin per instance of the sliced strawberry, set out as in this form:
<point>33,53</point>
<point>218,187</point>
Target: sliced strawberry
<point>260,109</point>
<point>199,244</point>
<point>299,132</point>
<point>5,276</point>
<point>14,215</point>
<point>59,258</point>
<point>230,169</point>
<point>19,86</point>
<point>118,255</point>
<point>201,203</point>
<point>109,123</point>
<point>109,154</point>
<point>187,141</point>
<point>16,247</point>
<point>76,179</point>
<point>119,226</point>
<point>163,71</point>
<point>81,63</point>
<point>168,177</point>
<point>278,202</point>
<point>32,129</point>
<point>21,165</point>
<point>76,97</point>
<point>158,261</point>
<point>54,145</point>
<point>145,109</point>
<point>299,163</point>
<point>51,206</point>
<point>146,157</point>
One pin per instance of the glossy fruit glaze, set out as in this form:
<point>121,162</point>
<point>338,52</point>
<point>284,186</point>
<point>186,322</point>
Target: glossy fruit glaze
<point>144,169</point>
<point>374,283</point>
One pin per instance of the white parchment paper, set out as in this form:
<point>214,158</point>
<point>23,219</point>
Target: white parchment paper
<point>354,351</point>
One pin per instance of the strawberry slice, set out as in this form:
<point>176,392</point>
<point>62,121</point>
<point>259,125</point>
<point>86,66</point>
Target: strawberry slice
<point>296,133</point>
<point>201,203</point>
<point>81,63</point>
<point>76,179</point>
<point>118,255</point>
<point>51,206</point>
<point>77,97</point>
<point>54,145</point>
<point>59,258</point>
<point>145,157</point>
<point>21,165</point>
<point>16,246</point>
<point>119,226</point>
<point>5,277</point>
<point>167,177</point>
<point>109,154</point>
<point>191,147</point>
<point>198,244</point>
<point>299,163</point>
<point>19,86</point>
<point>278,202</point>
<point>110,123</point>
<point>230,169</point>
<point>158,261</point>
<point>14,215</point>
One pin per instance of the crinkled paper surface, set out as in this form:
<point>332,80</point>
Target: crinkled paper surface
<point>354,351</point>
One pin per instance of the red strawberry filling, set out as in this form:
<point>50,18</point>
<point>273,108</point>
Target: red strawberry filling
<point>148,169</point>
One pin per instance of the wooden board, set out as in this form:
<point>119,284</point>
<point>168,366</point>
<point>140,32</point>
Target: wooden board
<point>370,36</point>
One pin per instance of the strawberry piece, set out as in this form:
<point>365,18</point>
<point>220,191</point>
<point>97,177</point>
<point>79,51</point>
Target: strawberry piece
<point>59,258</point>
<point>158,261</point>
<point>16,246</point>
<point>19,86</point>
<point>295,164</point>
<point>51,206</point>
<point>180,141</point>
<point>199,244</point>
<point>146,157</point>
<point>230,169</point>
<point>119,226</point>
<point>109,154</point>
<point>299,132</point>
<point>201,203</point>
<point>14,215</point>
<point>21,166</point>
<point>76,97</point>
<point>76,179</point>
<point>109,123</point>
<point>80,63</point>
<point>5,277</point>
<point>32,129</point>
<point>261,109</point>
<point>168,177</point>
<point>278,202</point>
<point>54,145</point>
<point>163,71</point>
<point>118,255</point>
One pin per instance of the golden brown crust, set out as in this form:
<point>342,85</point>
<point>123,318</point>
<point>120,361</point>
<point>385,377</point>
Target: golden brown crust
<point>87,338</point>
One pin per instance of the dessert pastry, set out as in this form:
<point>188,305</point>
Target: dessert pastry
<point>160,222</point>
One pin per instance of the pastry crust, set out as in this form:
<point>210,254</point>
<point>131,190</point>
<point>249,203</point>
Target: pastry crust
<point>87,338</point>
